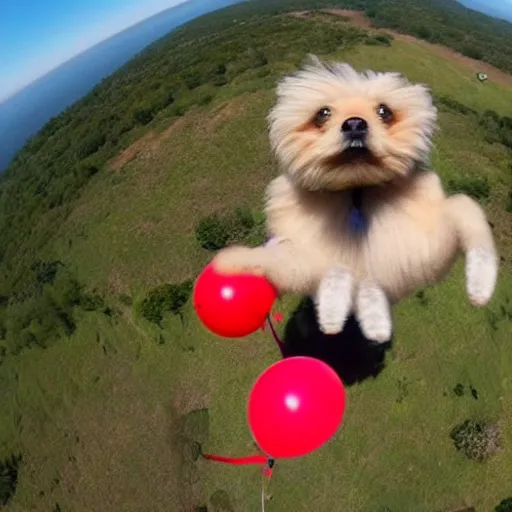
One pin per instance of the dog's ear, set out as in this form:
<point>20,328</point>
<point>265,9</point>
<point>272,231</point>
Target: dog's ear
<point>400,76</point>
<point>312,61</point>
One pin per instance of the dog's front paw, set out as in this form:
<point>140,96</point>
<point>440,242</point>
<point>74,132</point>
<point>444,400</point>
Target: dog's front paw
<point>373,312</point>
<point>334,300</point>
<point>236,260</point>
<point>481,275</point>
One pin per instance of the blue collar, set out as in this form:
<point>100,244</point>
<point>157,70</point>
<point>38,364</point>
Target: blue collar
<point>357,221</point>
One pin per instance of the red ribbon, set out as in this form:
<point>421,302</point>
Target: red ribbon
<point>267,463</point>
<point>252,459</point>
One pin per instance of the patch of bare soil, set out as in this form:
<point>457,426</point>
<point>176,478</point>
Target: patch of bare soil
<point>116,284</point>
<point>300,14</point>
<point>148,145</point>
<point>145,147</point>
<point>176,126</point>
<point>147,142</point>
<point>359,19</point>
<point>227,110</point>
<point>190,396</point>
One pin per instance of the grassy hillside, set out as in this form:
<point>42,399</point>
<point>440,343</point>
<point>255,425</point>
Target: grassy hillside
<point>109,380</point>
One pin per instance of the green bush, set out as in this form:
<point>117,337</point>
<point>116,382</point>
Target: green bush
<point>492,319</point>
<point>166,298</point>
<point>490,119</point>
<point>422,31</point>
<point>508,206</point>
<point>192,79</point>
<point>377,41</point>
<point>8,478</point>
<point>455,105</point>
<point>221,229</point>
<point>478,441</point>
<point>422,298</point>
<point>386,39</point>
<point>90,145</point>
<point>472,51</point>
<point>504,506</point>
<point>459,389</point>
<point>84,172</point>
<point>66,291</point>
<point>142,116</point>
<point>205,100</point>
<point>91,302</point>
<point>220,81</point>
<point>477,188</point>
<point>125,299</point>
<point>45,271</point>
<point>212,232</point>
<point>221,69</point>
<point>497,129</point>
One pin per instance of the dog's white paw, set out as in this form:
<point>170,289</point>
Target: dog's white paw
<point>334,300</point>
<point>236,260</point>
<point>481,275</point>
<point>374,312</point>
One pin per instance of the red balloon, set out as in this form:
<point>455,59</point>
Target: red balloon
<point>232,306</point>
<point>295,407</point>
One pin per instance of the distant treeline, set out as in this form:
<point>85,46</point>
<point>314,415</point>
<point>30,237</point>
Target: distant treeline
<point>440,21</point>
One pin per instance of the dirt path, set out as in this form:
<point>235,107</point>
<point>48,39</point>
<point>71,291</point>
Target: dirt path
<point>147,145</point>
<point>358,19</point>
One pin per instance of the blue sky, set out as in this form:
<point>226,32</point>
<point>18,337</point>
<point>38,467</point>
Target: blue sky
<point>38,35</point>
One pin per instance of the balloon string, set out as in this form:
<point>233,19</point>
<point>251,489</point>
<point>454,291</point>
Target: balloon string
<point>265,481</point>
<point>279,343</point>
<point>263,494</point>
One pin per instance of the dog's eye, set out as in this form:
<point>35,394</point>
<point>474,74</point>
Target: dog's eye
<point>385,113</point>
<point>321,116</point>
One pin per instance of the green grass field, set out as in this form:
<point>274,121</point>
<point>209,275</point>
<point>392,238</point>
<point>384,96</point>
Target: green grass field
<point>107,420</point>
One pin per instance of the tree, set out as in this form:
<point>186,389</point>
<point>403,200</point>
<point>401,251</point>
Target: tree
<point>90,145</point>
<point>142,116</point>
<point>166,298</point>
<point>8,478</point>
<point>504,506</point>
<point>477,440</point>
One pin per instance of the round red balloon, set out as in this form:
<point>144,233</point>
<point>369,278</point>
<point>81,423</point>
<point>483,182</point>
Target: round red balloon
<point>295,407</point>
<point>232,305</point>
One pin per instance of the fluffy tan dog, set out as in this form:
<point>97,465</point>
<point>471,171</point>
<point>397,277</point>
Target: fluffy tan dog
<point>358,219</point>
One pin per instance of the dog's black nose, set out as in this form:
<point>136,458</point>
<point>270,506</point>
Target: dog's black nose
<point>355,128</point>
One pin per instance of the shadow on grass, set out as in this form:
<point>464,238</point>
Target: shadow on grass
<point>350,354</point>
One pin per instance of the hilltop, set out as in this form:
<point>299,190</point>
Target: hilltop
<point>111,383</point>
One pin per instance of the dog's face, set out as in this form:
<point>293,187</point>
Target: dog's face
<point>334,128</point>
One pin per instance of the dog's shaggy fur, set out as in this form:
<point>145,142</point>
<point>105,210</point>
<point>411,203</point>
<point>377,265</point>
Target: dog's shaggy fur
<point>414,232</point>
